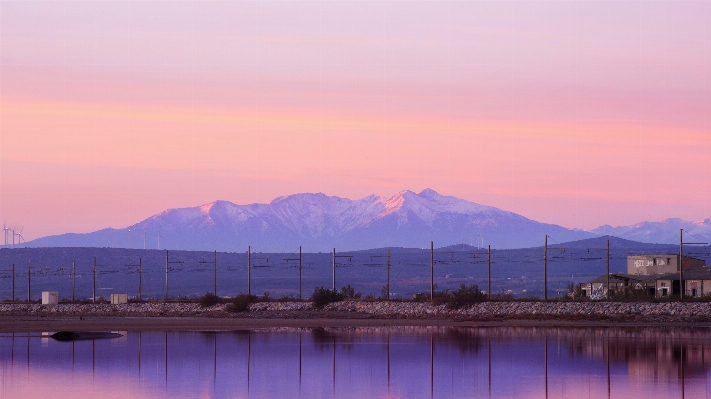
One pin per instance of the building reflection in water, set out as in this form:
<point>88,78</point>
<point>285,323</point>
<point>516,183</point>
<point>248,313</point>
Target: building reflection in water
<point>417,362</point>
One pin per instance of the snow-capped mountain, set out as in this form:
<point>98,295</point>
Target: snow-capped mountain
<point>319,222</point>
<point>664,232</point>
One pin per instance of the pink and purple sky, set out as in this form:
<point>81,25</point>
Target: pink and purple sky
<point>567,112</point>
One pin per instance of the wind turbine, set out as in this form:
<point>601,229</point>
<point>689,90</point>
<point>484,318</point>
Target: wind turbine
<point>19,237</point>
<point>129,238</point>
<point>159,237</point>
<point>4,228</point>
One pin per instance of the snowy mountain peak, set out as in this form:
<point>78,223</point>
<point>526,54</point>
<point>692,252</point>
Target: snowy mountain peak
<point>321,222</point>
<point>206,208</point>
<point>663,232</point>
<point>429,193</point>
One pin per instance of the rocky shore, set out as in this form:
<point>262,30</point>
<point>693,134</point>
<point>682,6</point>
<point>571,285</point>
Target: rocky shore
<point>688,312</point>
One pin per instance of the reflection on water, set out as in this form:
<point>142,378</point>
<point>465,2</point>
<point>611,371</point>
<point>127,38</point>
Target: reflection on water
<point>408,362</point>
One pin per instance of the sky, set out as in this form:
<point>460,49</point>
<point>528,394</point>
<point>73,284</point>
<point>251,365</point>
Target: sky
<point>567,112</point>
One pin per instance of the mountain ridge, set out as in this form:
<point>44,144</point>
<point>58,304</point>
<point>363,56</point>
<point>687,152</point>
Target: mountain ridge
<point>321,222</point>
<point>666,231</point>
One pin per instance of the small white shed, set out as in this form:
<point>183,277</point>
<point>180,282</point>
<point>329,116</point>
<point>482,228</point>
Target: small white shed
<point>117,299</point>
<point>50,297</point>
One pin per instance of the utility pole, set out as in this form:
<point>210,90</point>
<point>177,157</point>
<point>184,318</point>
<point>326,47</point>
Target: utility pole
<point>545,269</point>
<point>607,264</point>
<point>299,259</point>
<point>214,270</point>
<point>167,262</point>
<point>74,275</point>
<point>140,277</point>
<point>249,270</point>
<point>387,296</point>
<point>681,261</point>
<point>334,266</point>
<point>166,270</point>
<point>300,291</point>
<point>488,263</point>
<point>29,280</point>
<point>93,298</point>
<point>431,270</point>
<point>488,274</point>
<point>388,274</point>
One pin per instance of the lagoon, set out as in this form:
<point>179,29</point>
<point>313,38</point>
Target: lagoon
<point>399,362</point>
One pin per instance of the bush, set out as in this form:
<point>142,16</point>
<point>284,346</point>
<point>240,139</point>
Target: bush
<point>502,297</point>
<point>240,303</point>
<point>323,296</point>
<point>466,295</point>
<point>209,299</point>
<point>349,292</point>
<point>384,292</point>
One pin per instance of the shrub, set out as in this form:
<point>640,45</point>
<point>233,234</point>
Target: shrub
<point>209,299</point>
<point>466,295</point>
<point>323,296</point>
<point>349,292</point>
<point>240,303</point>
<point>384,292</point>
<point>502,296</point>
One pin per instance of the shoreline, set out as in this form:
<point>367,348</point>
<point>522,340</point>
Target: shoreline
<point>10,324</point>
<point>346,314</point>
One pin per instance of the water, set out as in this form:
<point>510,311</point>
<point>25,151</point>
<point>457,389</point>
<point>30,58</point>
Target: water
<point>398,362</point>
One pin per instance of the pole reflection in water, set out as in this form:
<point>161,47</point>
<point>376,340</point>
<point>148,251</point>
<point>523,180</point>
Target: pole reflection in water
<point>431,366</point>
<point>333,367</point>
<point>300,360</point>
<point>488,355</point>
<point>545,362</point>
<point>249,356</point>
<point>166,360</point>
<point>214,360</point>
<point>408,362</point>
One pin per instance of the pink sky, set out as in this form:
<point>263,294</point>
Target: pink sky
<point>574,113</point>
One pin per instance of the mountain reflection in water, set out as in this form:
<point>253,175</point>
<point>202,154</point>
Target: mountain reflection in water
<point>408,362</point>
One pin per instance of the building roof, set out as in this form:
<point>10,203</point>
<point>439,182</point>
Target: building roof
<point>702,273</point>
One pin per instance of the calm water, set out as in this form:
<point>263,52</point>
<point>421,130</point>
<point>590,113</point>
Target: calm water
<point>400,362</point>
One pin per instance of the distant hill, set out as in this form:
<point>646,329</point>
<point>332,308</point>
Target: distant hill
<point>319,222</point>
<point>519,271</point>
<point>664,232</point>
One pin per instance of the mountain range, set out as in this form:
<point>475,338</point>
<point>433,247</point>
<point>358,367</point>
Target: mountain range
<point>664,232</point>
<point>319,223</point>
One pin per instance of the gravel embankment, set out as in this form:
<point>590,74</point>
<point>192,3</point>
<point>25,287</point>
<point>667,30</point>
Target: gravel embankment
<point>641,311</point>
